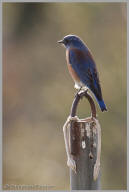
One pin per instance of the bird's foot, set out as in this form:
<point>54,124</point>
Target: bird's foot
<point>71,163</point>
<point>82,90</point>
<point>77,86</point>
<point>78,89</point>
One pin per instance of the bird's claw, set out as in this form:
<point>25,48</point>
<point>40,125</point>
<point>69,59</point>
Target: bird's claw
<point>83,90</point>
<point>71,163</point>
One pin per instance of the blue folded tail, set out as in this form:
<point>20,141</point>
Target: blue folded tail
<point>102,105</point>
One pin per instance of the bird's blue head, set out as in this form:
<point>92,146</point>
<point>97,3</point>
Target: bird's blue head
<point>72,41</point>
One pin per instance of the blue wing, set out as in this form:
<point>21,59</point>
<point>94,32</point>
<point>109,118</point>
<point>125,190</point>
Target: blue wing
<point>85,67</point>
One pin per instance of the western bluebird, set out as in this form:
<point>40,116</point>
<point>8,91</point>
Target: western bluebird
<point>82,67</point>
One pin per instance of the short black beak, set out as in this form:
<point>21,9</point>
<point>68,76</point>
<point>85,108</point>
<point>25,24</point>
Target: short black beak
<point>60,41</point>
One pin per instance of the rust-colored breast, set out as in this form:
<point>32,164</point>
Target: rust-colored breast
<point>71,70</point>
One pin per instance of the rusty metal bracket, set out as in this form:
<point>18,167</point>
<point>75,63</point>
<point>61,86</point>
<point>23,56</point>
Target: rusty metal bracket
<point>83,147</point>
<point>77,98</point>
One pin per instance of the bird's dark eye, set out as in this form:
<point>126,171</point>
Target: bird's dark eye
<point>66,41</point>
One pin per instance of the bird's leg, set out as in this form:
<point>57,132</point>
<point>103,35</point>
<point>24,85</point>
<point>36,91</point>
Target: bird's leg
<point>70,161</point>
<point>82,90</point>
<point>78,90</point>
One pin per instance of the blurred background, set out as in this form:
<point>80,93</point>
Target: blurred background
<point>38,90</point>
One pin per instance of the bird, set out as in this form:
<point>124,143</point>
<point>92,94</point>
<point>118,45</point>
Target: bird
<point>82,67</point>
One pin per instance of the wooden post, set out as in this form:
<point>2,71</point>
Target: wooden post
<point>83,149</point>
